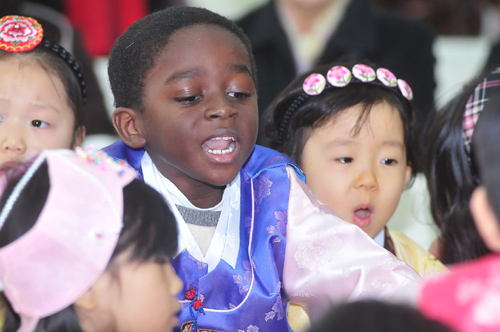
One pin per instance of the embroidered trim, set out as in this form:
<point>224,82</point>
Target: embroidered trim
<point>19,33</point>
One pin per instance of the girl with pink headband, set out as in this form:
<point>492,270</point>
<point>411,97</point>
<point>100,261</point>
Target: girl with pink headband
<point>351,128</point>
<point>90,253</point>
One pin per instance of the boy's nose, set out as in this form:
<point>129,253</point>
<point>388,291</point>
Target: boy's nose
<point>366,180</point>
<point>221,108</point>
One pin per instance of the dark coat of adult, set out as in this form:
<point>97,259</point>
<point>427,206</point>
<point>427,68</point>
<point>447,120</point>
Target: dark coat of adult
<point>388,40</point>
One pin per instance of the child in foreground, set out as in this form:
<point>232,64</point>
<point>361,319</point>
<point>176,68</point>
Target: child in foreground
<point>42,92</point>
<point>92,251</point>
<point>467,298</point>
<point>351,129</point>
<point>251,235</point>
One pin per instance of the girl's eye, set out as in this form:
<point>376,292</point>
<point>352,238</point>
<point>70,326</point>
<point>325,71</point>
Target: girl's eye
<point>187,101</point>
<point>345,160</point>
<point>388,161</point>
<point>39,124</point>
<point>239,95</point>
<point>1,118</point>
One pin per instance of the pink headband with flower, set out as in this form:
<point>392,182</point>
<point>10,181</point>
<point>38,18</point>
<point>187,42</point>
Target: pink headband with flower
<point>339,77</point>
<point>56,261</point>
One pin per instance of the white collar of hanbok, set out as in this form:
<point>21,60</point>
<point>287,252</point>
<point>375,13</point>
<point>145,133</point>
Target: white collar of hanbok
<point>380,238</point>
<point>226,240</point>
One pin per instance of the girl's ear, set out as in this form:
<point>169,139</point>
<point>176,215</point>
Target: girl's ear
<point>88,301</point>
<point>407,175</point>
<point>127,123</point>
<point>79,136</point>
<point>93,307</point>
<point>485,219</point>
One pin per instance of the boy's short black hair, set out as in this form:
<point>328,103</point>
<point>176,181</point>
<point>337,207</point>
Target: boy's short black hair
<point>135,51</point>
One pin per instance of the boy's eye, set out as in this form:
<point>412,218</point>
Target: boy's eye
<point>188,100</point>
<point>388,161</point>
<point>39,124</point>
<point>345,160</point>
<point>239,95</point>
<point>1,118</point>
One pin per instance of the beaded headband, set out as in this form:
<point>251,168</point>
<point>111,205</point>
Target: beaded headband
<point>20,34</point>
<point>339,77</point>
<point>56,261</point>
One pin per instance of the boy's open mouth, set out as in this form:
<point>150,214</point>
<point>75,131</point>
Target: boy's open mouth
<point>220,145</point>
<point>362,215</point>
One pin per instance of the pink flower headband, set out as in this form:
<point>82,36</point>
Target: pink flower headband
<point>339,77</point>
<point>62,255</point>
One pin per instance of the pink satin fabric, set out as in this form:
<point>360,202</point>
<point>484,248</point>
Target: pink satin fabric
<point>329,261</point>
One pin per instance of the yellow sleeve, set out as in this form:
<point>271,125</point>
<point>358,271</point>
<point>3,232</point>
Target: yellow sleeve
<point>414,255</point>
<point>297,317</point>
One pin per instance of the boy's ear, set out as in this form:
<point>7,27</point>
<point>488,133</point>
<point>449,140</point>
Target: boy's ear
<point>128,124</point>
<point>485,219</point>
<point>79,136</point>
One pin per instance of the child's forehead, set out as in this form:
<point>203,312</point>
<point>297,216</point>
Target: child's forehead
<point>197,48</point>
<point>358,118</point>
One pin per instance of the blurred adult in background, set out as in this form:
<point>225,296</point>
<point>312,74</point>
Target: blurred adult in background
<point>446,17</point>
<point>290,36</point>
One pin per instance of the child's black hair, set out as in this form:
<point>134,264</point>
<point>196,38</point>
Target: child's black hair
<point>451,182</point>
<point>149,232</point>
<point>54,64</point>
<point>486,149</point>
<point>320,108</point>
<point>135,52</point>
<point>376,316</point>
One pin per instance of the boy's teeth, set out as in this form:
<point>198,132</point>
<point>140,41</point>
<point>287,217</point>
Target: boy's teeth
<point>228,149</point>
